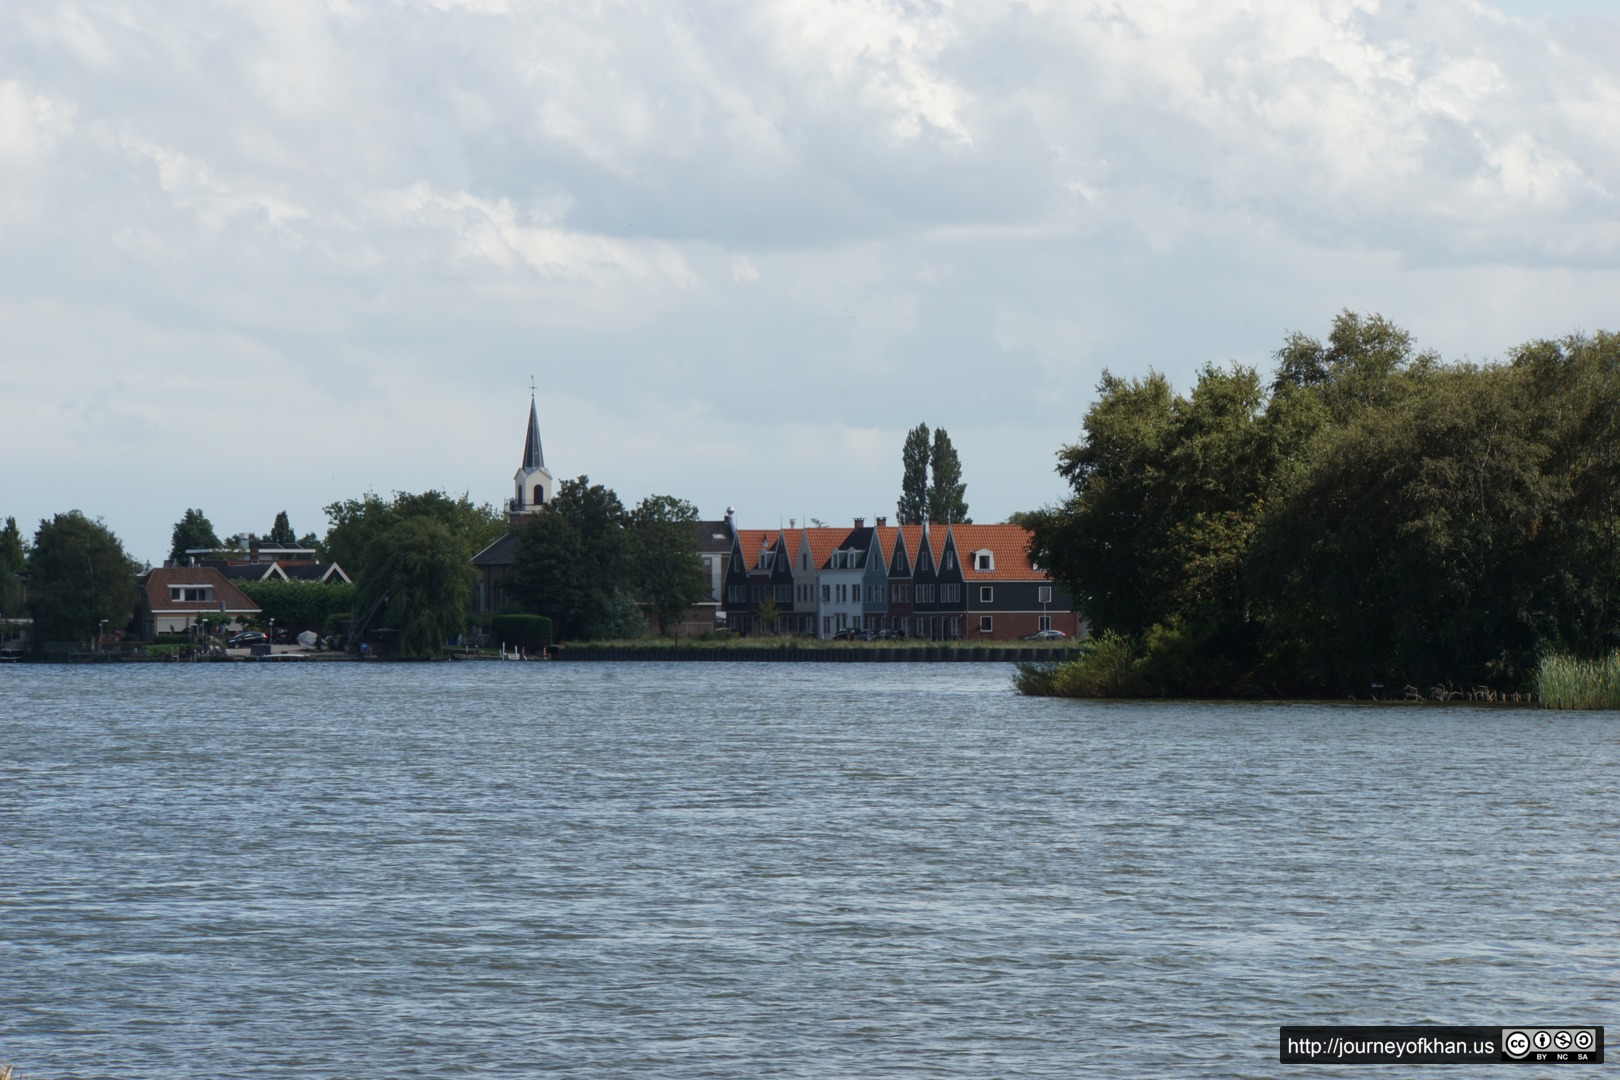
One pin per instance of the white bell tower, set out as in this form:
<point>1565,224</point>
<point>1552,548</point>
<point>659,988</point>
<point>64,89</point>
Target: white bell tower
<point>532,483</point>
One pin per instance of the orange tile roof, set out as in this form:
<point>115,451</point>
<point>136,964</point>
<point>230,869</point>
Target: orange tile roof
<point>1008,545</point>
<point>1009,550</point>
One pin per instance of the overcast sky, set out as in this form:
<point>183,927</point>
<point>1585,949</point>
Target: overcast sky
<point>265,256</point>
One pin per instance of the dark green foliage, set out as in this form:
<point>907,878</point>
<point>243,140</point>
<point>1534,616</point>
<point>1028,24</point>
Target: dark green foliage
<point>281,533</point>
<point>191,532</point>
<point>13,561</point>
<point>668,574</point>
<point>356,523</point>
<point>547,572</point>
<point>947,500</point>
<point>1378,517</point>
<point>621,617</point>
<point>78,575</point>
<point>913,505</point>
<point>420,570</point>
<point>531,633</point>
<point>572,557</point>
<point>301,605</point>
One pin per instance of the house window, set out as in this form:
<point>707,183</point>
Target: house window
<point>986,623</point>
<point>950,561</point>
<point>1043,595</point>
<point>987,594</point>
<point>984,560</point>
<point>841,620</point>
<point>826,624</point>
<point>194,594</point>
<point>826,594</point>
<point>1045,623</point>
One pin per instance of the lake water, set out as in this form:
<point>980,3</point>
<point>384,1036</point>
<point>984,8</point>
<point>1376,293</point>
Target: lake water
<point>718,870</point>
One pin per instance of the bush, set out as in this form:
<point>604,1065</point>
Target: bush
<point>531,633</point>
<point>1106,667</point>
<point>304,605</point>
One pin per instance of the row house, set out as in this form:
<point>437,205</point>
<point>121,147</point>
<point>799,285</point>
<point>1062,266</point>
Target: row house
<point>954,582</point>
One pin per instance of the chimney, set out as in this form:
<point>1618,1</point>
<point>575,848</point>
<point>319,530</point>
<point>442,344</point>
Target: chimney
<point>882,521</point>
<point>860,523</point>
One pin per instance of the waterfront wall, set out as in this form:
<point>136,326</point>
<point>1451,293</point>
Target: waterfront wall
<point>790,654</point>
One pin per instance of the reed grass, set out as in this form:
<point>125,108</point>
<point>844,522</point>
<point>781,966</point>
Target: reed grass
<point>1566,682</point>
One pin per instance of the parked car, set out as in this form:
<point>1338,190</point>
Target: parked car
<point>247,639</point>
<point>892,635</point>
<point>1045,635</point>
<point>852,633</point>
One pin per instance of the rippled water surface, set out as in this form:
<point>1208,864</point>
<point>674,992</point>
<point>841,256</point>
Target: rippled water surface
<point>770,870</point>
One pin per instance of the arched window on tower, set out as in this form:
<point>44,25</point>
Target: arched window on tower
<point>539,495</point>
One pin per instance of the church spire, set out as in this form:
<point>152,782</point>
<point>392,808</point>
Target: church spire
<point>533,456</point>
<point>531,486</point>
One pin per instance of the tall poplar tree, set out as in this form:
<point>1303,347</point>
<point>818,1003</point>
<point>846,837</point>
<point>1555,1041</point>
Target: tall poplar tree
<point>947,492</point>
<point>913,505</point>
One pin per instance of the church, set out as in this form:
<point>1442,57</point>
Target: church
<point>532,486</point>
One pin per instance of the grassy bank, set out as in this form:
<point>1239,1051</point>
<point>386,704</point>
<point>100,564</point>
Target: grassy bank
<point>1563,682</point>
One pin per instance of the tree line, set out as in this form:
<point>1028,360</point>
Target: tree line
<point>594,567</point>
<point>1369,517</point>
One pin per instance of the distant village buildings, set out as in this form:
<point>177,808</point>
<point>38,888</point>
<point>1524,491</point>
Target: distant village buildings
<point>945,582</point>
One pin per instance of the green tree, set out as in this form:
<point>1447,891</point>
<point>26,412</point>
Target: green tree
<point>621,618</point>
<point>13,562</point>
<point>1408,549</point>
<point>604,553</point>
<point>191,532</point>
<point>281,533</point>
<point>668,573</point>
<point>946,491</point>
<point>1380,517</point>
<point>78,575</point>
<point>547,575</point>
<point>1573,386</point>
<point>420,570</point>
<point>356,523</point>
<point>913,505</point>
<point>1106,543</point>
<point>765,617</point>
<point>572,558</point>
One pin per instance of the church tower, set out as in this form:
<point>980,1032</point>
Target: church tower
<point>533,480</point>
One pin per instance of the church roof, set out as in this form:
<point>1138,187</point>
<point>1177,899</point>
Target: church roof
<point>533,456</point>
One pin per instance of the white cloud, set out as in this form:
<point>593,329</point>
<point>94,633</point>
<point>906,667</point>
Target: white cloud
<point>746,245</point>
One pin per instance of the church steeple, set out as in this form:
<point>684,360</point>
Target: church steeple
<point>533,456</point>
<point>533,480</point>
